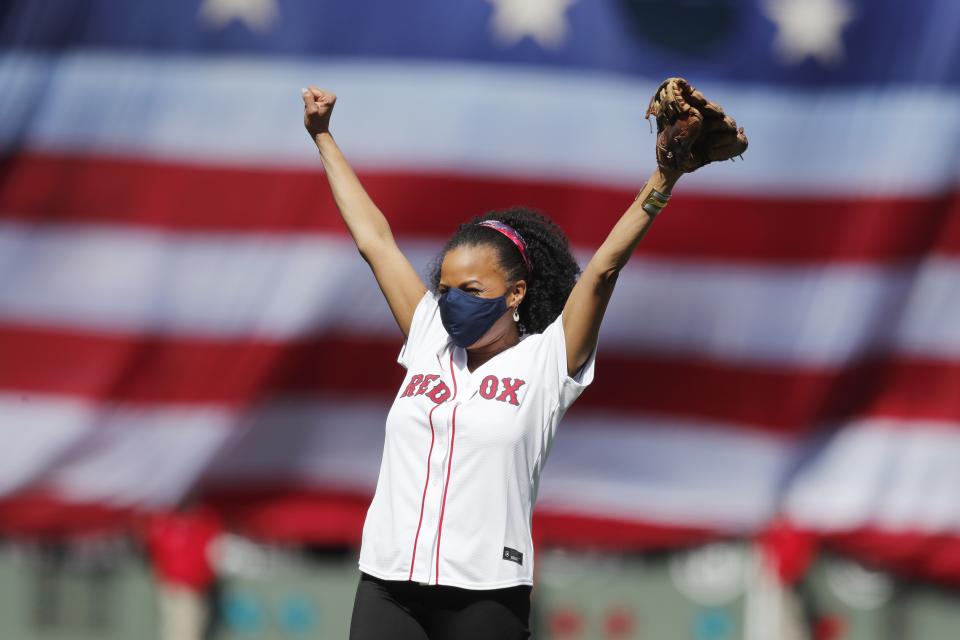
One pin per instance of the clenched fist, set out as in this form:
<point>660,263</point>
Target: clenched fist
<point>317,107</point>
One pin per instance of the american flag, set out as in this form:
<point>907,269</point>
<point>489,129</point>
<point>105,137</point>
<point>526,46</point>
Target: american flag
<point>180,304</point>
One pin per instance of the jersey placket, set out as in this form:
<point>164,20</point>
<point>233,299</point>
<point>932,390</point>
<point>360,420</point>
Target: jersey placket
<point>435,499</point>
<point>441,417</point>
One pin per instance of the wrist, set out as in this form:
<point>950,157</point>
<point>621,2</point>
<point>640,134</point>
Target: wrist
<point>664,179</point>
<point>322,139</point>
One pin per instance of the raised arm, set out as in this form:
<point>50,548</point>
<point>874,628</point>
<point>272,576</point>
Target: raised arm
<point>584,309</point>
<point>398,280</point>
<point>692,131</point>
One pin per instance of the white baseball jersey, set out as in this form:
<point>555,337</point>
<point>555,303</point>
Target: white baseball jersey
<point>462,458</point>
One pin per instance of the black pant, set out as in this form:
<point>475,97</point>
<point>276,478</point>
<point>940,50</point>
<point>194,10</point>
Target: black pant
<point>401,610</point>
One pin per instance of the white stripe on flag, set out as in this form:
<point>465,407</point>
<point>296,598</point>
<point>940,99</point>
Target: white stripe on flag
<point>113,454</point>
<point>280,286</point>
<point>900,475</point>
<point>37,432</point>
<point>565,124</point>
<point>649,468</point>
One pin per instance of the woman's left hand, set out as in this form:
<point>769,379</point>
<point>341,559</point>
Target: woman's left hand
<point>691,130</point>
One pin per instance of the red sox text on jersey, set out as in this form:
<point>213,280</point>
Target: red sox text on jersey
<point>491,387</point>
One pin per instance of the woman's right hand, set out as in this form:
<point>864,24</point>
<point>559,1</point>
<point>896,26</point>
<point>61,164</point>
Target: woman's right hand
<point>317,107</point>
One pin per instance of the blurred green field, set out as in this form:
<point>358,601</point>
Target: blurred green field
<point>103,590</point>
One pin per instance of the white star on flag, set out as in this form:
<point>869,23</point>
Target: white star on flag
<point>809,28</point>
<point>543,20</point>
<point>259,15</point>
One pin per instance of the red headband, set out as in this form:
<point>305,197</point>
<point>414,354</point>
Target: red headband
<point>513,235</point>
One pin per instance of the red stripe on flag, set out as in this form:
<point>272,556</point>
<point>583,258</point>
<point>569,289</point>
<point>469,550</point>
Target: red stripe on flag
<point>154,369</point>
<point>909,553</point>
<point>178,197</point>
<point>151,370</point>
<point>318,516</point>
<point>45,514</point>
<point>306,515</point>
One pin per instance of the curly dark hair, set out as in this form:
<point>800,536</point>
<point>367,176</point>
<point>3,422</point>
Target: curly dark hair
<point>555,270</point>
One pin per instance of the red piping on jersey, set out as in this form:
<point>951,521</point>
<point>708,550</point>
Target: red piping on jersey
<point>423,499</point>
<point>453,376</point>
<point>426,482</point>
<point>453,433</point>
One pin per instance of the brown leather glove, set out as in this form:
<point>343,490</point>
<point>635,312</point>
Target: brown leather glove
<point>691,130</point>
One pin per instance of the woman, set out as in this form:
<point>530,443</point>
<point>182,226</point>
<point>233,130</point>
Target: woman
<point>496,351</point>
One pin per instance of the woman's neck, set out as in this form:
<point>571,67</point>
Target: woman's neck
<point>478,356</point>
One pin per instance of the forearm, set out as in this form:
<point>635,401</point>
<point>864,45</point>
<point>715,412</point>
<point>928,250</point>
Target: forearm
<point>366,223</point>
<point>616,250</point>
<point>584,309</point>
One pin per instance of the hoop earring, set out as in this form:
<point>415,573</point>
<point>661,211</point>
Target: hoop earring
<point>516,314</point>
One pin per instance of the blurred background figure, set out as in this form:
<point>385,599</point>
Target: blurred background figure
<point>179,302</point>
<point>181,547</point>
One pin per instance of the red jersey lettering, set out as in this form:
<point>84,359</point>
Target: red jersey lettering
<point>488,387</point>
<point>439,393</point>
<point>427,379</point>
<point>509,394</point>
<point>414,381</point>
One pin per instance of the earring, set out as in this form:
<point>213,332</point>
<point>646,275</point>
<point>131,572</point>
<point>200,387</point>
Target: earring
<point>516,314</point>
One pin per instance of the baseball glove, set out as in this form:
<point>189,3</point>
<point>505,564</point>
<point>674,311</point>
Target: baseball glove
<point>691,130</point>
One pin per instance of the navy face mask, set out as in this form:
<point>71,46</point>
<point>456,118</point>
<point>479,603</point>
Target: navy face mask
<point>467,317</point>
